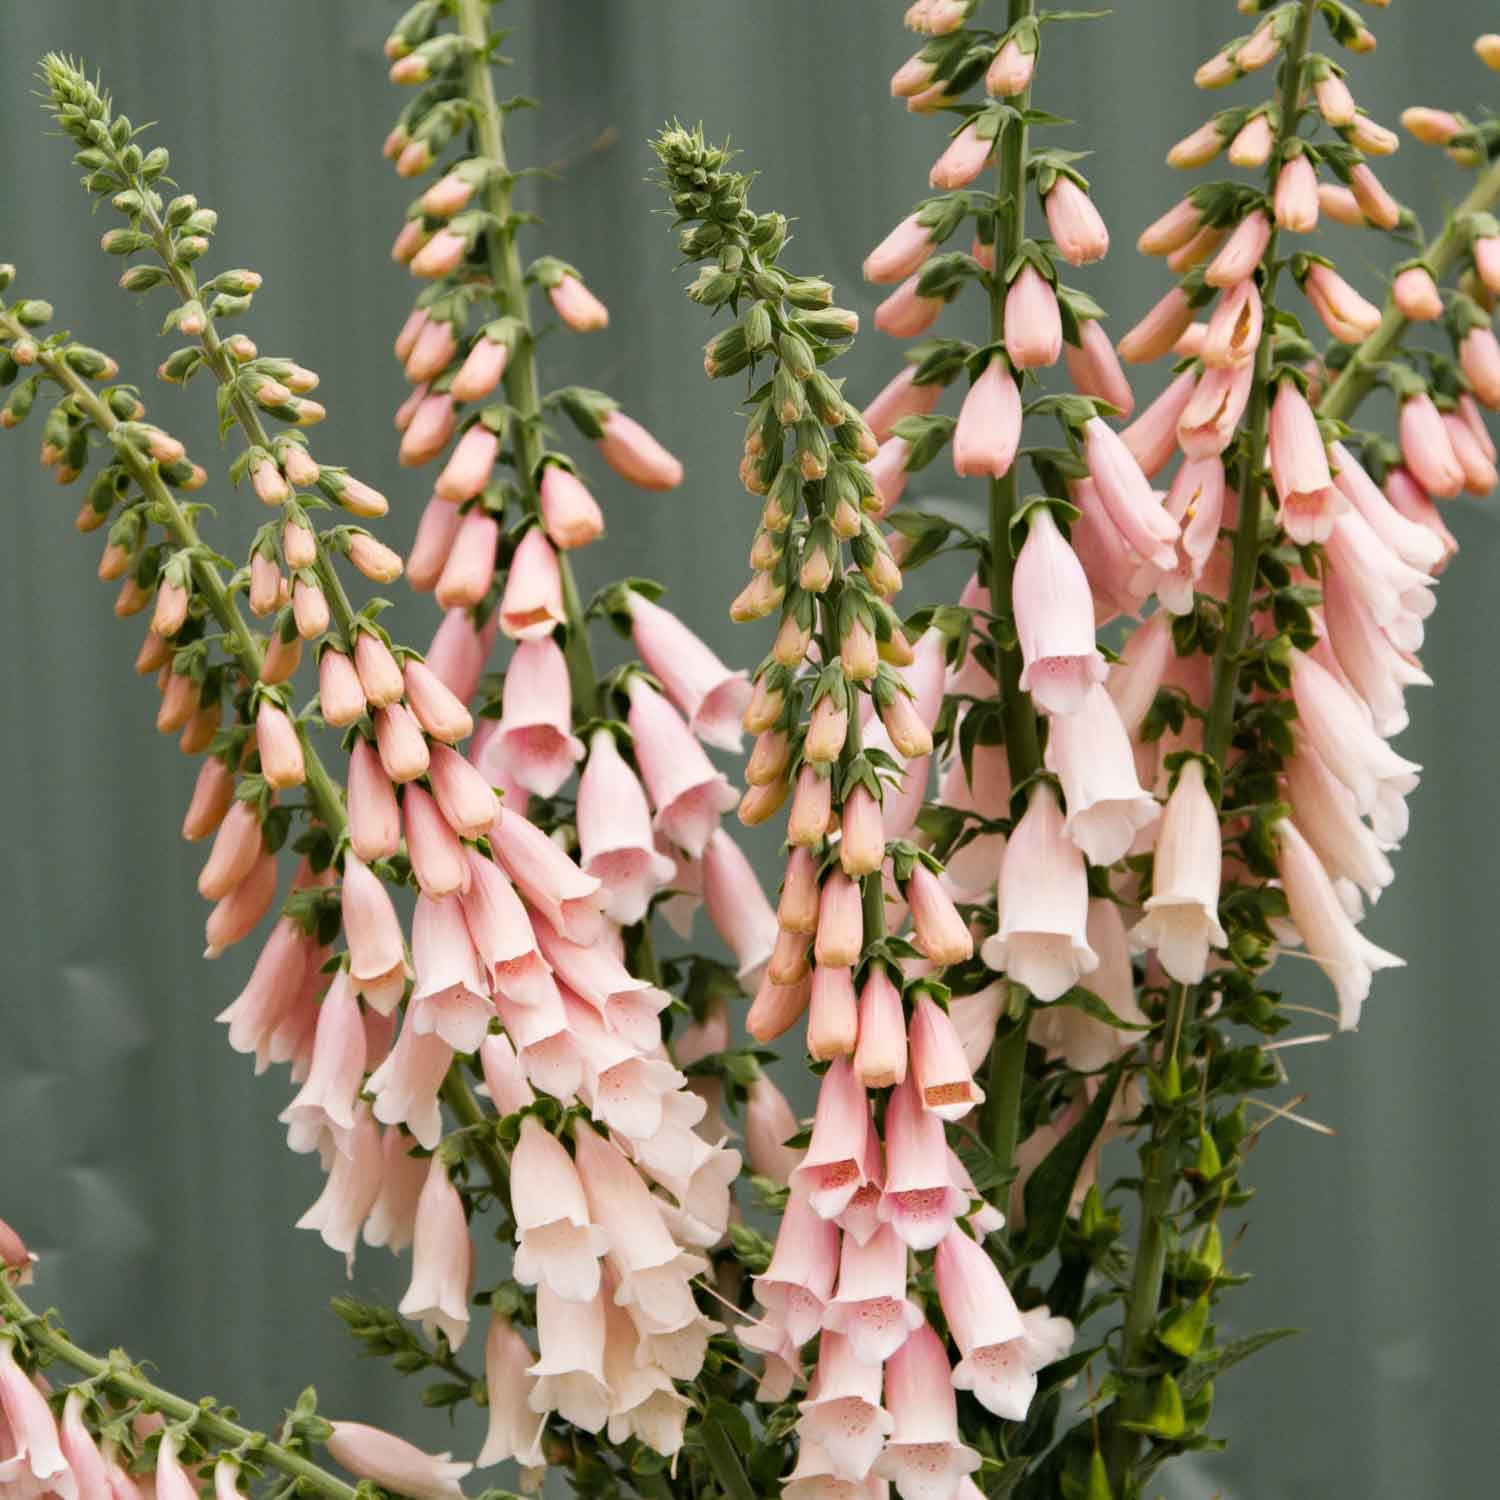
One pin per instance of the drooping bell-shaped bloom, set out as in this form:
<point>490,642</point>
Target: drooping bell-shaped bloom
<point>1210,418</point>
<point>1397,595</point>
<point>989,424</point>
<point>1408,499</point>
<point>1343,953</point>
<point>842,1414</point>
<point>1348,316</point>
<point>1182,913</point>
<point>796,1287</point>
<point>1338,729</point>
<point>737,905</point>
<point>643,1402</point>
<point>983,1319</point>
<point>920,1199</point>
<point>570,900</point>
<point>323,1110</point>
<point>450,996</point>
<point>688,793</point>
<point>393,1215</point>
<point>1091,754</point>
<point>1094,368</point>
<point>36,1465</point>
<point>534,742</point>
<point>1234,329</point>
<point>81,1451</point>
<point>1083,1042</point>
<point>405,1086</point>
<point>1042,940</point>
<point>635,455</point>
<point>870,1307</point>
<point>769,1124</point>
<point>465,799</point>
<point>614,833</point>
<point>1376,670</point>
<point>442,1260</point>
<point>924,1456</point>
<point>439,710</point>
<point>515,1428</point>
<point>272,989</point>
<point>1299,469</point>
<point>1152,439</point>
<point>353,1186</point>
<point>503,939</point>
<point>377,954</point>
<point>1076,226</point>
<point>557,1244</point>
<point>1196,502</point>
<point>703,689</point>
<point>236,847</point>
<point>1327,816</point>
<point>1054,613</point>
<point>393,1463</point>
<point>469,568</point>
<point>832,1169</point>
<point>532,604</point>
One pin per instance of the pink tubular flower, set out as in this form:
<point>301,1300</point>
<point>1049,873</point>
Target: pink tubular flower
<point>515,1429</point>
<point>1152,438</point>
<point>405,1089</point>
<point>1196,149</point>
<point>437,856</point>
<point>1054,613</point>
<point>1207,425</point>
<point>796,1287</point>
<point>1295,202</point>
<point>900,397</point>
<point>1196,502</point>
<point>238,913</point>
<point>1408,497</point>
<point>945,1082</point>
<point>569,899</point>
<point>577,306</point>
<point>924,1456</point>
<point>1182,912</point>
<point>704,690</point>
<point>341,699</point>
<point>1375,203</point>
<point>1299,469</point>
<point>279,747</point>
<point>1094,368</point>
<point>769,1125</point>
<point>1043,903</point>
<point>236,847</point>
<point>1127,495</point>
<point>919,1200</point>
<point>1328,817</point>
<point>1414,544</point>
<point>323,1112</point>
<point>1241,253</point>
<point>395,1464</point>
<point>1427,449</point>
<point>906,312</point>
<point>80,1450</point>
<point>989,424</point>
<point>503,937</point>
<point>737,906</point>
<point>570,515</point>
<point>469,567</point>
<point>635,455</point>
<point>481,371</point>
<point>888,472</point>
<point>832,1170</point>
<point>985,1323</point>
<point>1347,316</point>
<point>1155,334</point>
<point>1479,355</point>
<point>428,431</point>
<point>614,833</point>
<point>272,990</point>
<point>842,1415</point>
<point>374,814</point>
<point>377,955</point>
<point>353,1186</point>
<point>1033,324</point>
<point>557,1244</point>
<point>436,532</point>
<point>871,1308</point>
<point>1251,146</point>
<point>963,160</point>
<point>832,1014</point>
<point>442,1260</point>
<point>1416,295</point>
<point>468,469</point>
<point>465,799</point>
<point>450,998</point>
<point>1090,752</point>
<point>1398,596</point>
<point>689,795</point>
<point>1075,224</point>
<point>37,1465</point>
<point>534,743</point>
<point>900,252</point>
<point>1343,953</point>
<point>569,1374</point>
<point>1234,329</point>
<point>458,650</point>
<point>532,604</point>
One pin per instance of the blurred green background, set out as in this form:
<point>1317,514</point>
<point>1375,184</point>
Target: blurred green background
<point>140,1155</point>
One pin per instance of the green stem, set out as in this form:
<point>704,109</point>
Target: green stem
<point>466,1110</point>
<point>521,386</point>
<point>1358,375</point>
<point>125,1381</point>
<point>1022,746</point>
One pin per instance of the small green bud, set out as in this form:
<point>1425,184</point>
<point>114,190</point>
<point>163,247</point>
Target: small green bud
<point>758,327</point>
<point>796,355</point>
<point>143,278</point>
<point>33,312</point>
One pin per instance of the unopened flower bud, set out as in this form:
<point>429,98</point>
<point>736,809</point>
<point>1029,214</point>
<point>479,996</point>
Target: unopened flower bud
<point>309,608</point>
<point>812,804</point>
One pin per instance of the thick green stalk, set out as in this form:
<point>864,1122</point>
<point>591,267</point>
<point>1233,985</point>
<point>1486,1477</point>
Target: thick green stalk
<point>1358,375</point>
<point>126,1381</point>
<point>1158,1155</point>
<point>466,1109</point>
<point>1022,747</point>
<point>521,387</point>
<point>239,641</point>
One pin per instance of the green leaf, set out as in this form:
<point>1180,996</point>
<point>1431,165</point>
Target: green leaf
<point>722,1457</point>
<point>1214,1362</point>
<point>1091,1005</point>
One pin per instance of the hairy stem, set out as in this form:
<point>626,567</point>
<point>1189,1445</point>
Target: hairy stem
<point>122,1379</point>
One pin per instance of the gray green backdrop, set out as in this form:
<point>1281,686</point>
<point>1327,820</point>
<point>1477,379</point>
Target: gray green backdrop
<point>138,1153</point>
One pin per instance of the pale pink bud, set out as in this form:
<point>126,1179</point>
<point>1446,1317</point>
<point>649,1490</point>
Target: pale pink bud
<point>989,424</point>
<point>1346,315</point>
<point>1242,251</point>
<point>900,397</point>
<point>1331,939</point>
<point>769,1124</point>
<point>963,160</point>
<point>1432,127</point>
<point>238,914</point>
<point>213,795</point>
<point>379,672</point>
<point>1155,334</point>
<point>281,660</point>
<point>577,306</point>
<point>395,1464</point>
<point>1295,202</point>
<point>401,743</point>
<point>170,613</point>
<point>1251,146</point>
<point>236,847</point>
<point>1373,138</point>
<point>1033,325</point>
<point>266,585</point>
<point>906,313</point>
<point>374,814</point>
<point>280,749</point>
<point>832,1016</point>
<point>900,253</point>
<point>441,255</point>
<point>1011,71</point>
<point>377,955</point>
<point>299,545</point>
<point>481,370</point>
<point>1075,224</point>
<point>468,469</point>
<point>269,484</point>
<point>1054,619</point>
<point>449,195</point>
<point>1171,231</point>
<point>777,1007</point>
<point>1335,200</point>
<point>689,795</point>
<point>1375,203</point>
<point>1478,467</point>
<point>437,856</point>
<point>812,803</point>
<point>1299,468</point>
<point>635,455</point>
<point>880,1056</point>
<point>373,558</point>
<point>570,514</point>
<point>428,431</point>
<point>1094,368</point>
<point>430,550</point>
<point>1427,449</point>
<point>470,568</point>
<point>532,605</point>
<point>1479,354</point>
<point>944,1082</point>
<point>440,713</point>
<point>841,926</point>
<point>736,905</point>
<point>309,609</point>
<point>322,1114</point>
<point>408,408</point>
<point>914,75</point>
<point>431,350</point>
<point>937,928</point>
<point>862,847</point>
<point>1416,295</point>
